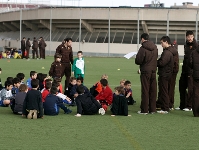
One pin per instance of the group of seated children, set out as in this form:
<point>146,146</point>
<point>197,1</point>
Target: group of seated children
<point>42,96</point>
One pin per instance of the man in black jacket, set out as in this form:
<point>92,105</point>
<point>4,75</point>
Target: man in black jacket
<point>165,69</point>
<point>23,47</point>
<point>186,79</point>
<point>147,59</point>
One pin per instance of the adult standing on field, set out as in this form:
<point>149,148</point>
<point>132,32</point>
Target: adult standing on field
<point>186,79</point>
<point>147,59</point>
<point>42,46</point>
<point>23,47</point>
<point>65,49</point>
<point>35,48</point>
<point>28,45</point>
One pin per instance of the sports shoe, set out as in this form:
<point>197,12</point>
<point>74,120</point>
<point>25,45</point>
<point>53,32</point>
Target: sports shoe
<point>152,113</point>
<point>162,112</point>
<point>139,112</point>
<point>30,114</point>
<point>34,114</point>
<point>187,109</point>
<point>101,111</point>
<point>171,108</point>
<point>178,108</point>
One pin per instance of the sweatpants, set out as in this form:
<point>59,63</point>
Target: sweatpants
<point>148,92</point>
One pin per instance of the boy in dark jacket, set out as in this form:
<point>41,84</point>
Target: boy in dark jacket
<point>86,104</point>
<point>120,103</point>
<point>33,106</point>
<point>53,103</point>
<point>56,67</point>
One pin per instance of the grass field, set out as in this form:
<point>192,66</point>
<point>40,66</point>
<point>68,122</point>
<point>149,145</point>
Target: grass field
<point>177,130</point>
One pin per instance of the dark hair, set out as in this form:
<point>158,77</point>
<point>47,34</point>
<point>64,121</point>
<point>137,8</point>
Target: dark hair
<point>57,79</point>
<point>28,38</point>
<point>21,76</point>
<point>79,52</point>
<point>48,85</point>
<point>43,77</point>
<point>23,87</point>
<point>56,84</point>
<point>8,83</point>
<point>189,32</point>
<point>127,82</point>
<point>80,79</point>
<point>119,89</point>
<point>9,79</point>
<point>32,73</point>
<point>34,83</point>
<point>80,89</point>
<point>34,38</point>
<point>48,80</point>
<point>104,82</point>
<point>166,39</point>
<point>145,36</point>
<point>57,55</point>
<point>0,69</point>
<point>68,39</point>
<point>72,78</point>
<point>53,90</point>
<point>23,37</point>
<point>16,80</point>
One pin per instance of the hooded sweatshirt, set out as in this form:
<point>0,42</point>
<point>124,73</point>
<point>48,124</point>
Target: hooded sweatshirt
<point>194,63</point>
<point>188,49</point>
<point>147,57</point>
<point>165,62</point>
<point>174,51</point>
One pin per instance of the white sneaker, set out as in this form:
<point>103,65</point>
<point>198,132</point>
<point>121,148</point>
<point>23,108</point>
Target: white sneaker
<point>139,112</point>
<point>187,109</point>
<point>162,112</point>
<point>178,108</point>
<point>101,111</point>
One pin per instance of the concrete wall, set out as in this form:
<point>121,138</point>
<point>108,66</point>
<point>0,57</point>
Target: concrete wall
<point>93,49</point>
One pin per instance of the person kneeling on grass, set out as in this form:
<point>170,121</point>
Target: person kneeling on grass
<point>53,103</point>
<point>86,104</point>
<point>32,105</point>
<point>120,103</point>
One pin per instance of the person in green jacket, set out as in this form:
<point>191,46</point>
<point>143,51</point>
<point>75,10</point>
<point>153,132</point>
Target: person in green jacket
<point>78,68</point>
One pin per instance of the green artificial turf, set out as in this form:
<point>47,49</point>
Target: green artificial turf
<point>177,130</point>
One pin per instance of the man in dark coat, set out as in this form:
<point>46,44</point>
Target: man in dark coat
<point>27,48</point>
<point>147,59</point>
<point>165,69</point>
<point>42,46</point>
<point>194,64</point>
<point>35,48</point>
<point>23,47</point>
<point>186,79</point>
<point>65,49</point>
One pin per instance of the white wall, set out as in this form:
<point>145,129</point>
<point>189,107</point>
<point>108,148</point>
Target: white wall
<point>93,47</point>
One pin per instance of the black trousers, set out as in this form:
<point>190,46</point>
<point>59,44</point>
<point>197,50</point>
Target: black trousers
<point>148,92</point>
<point>23,53</point>
<point>195,102</point>
<point>42,53</point>
<point>164,92</point>
<point>186,83</point>
<point>172,83</point>
<point>35,51</point>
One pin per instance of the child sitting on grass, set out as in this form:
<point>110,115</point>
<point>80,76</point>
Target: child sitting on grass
<point>46,91</point>
<point>21,77</point>
<point>33,106</point>
<point>120,103</point>
<point>73,82</point>
<point>53,103</point>
<point>86,104</point>
<point>105,97</point>
<point>19,99</point>
<point>33,75</point>
<point>122,82</point>
<point>128,92</point>
<point>6,95</point>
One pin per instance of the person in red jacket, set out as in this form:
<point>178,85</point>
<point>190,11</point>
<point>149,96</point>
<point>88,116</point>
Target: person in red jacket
<point>105,97</point>
<point>46,91</point>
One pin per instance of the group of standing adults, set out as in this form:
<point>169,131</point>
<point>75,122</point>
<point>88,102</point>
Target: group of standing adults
<point>168,67</point>
<point>25,48</point>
